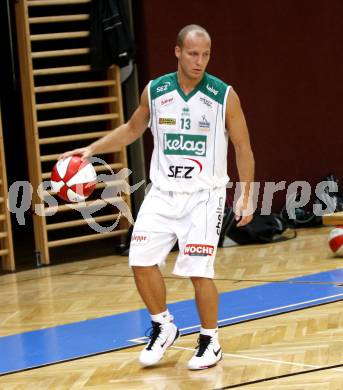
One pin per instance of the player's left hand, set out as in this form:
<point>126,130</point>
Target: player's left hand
<point>243,211</point>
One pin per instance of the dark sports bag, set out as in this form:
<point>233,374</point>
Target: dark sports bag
<point>262,229</point>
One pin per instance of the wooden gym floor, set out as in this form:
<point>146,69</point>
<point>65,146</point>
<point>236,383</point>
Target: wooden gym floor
<point>287,351</point>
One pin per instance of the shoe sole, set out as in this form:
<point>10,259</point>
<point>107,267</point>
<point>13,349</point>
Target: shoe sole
<point>205,367</point>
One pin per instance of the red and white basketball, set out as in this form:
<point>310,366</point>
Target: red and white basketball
<point>336,241</point>
<point>73,179</point>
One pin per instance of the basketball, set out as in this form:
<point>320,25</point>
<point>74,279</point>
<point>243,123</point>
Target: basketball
<point>336,241</point>
<point>72,179</point>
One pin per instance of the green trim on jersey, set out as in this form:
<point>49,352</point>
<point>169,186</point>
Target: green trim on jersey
<point>192,93</point>
<point>211,86</point>
<point>214,88</point>
<point>162,85</point>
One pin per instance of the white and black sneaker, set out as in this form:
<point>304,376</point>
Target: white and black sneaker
<point>162,336</point>
<point>207,353</point>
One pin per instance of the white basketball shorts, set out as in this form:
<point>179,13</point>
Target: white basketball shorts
<point>194,219</point>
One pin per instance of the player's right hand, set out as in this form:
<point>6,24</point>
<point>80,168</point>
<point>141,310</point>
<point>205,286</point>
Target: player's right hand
<point>85,153</point>
<point>243,210</point>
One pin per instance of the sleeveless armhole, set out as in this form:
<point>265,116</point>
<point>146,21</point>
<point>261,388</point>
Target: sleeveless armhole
<point>224,106</point>
<point>150,104</point>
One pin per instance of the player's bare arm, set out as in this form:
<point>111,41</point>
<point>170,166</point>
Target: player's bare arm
<point>122,136</point>
<point>239,136</point>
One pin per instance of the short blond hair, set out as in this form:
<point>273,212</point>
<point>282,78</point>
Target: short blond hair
<point>181,36</point>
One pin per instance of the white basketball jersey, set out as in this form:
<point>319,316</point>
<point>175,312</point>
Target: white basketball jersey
<point>190,139</point>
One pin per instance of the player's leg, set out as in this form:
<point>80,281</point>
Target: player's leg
<point>151,288</point>
<point>198,248</point>
<point>208,351</point>
<point>152,240</point>
<point>206,297</point>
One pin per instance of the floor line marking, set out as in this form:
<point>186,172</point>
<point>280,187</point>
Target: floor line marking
<point>339,284</point>
<point>270,310</point>
<point>8,318</point>
<point>283,307</point>
<point>143,338</point>
<point>263,359</point>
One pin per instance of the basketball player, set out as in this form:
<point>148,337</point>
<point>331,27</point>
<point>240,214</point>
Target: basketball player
<point>190,114</point>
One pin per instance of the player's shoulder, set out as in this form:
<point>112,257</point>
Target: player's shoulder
<point>162,85</point>
<point>215,88</point>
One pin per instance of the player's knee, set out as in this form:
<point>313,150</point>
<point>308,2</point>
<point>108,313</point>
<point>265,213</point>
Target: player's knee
<point>199,281</point>
<point>139,270</point>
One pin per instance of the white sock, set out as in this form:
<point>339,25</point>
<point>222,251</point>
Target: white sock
<point>162,318</point>
<point>209,332</point>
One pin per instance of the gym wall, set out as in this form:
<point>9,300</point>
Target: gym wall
<point>283,58</point>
